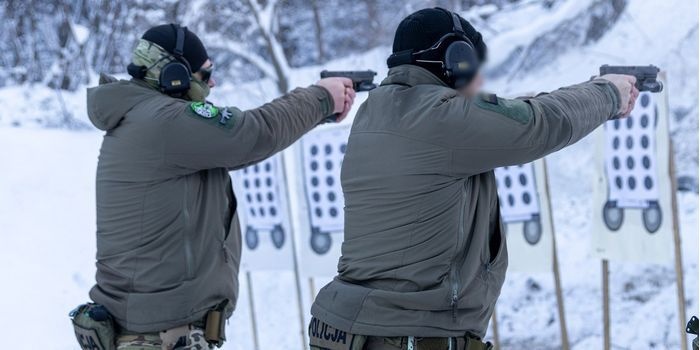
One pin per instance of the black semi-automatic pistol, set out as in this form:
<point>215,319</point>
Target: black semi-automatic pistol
<point>646,75</point>
<point>362,80</point>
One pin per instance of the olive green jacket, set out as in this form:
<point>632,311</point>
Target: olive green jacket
<point>168,238</point>
<point>424,252</point>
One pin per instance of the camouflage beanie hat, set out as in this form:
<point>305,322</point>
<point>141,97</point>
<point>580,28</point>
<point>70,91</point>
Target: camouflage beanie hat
<point>154,58</point>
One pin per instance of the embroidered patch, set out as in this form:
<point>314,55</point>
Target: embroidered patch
<point>490,98</point>
<point>517,110</point>
<point>223,117</point>
<point>204,109</point>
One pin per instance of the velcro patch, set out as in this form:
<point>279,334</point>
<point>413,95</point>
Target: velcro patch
<point>204,109</point>
<point>217,116</point>
<point>490,98</point>
<point>87,338</point>
<point>324,336</point>
<point>516,109</point>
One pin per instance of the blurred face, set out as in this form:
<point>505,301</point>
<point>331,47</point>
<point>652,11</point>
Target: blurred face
<point>474,87</point>
<point>204,74</point>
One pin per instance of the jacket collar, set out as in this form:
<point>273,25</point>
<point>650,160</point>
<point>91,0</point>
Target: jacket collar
<point>411,75</point>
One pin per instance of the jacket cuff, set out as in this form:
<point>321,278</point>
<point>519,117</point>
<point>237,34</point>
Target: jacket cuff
<point>325,98</point>
<point>612,92</point>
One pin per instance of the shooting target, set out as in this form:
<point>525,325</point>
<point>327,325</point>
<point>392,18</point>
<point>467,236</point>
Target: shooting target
<point>322,156</point>
<point>519,200</point>
<point>633,184</point>
<point>630,165</point>
<point>261,194</point>
<point>523,197</point>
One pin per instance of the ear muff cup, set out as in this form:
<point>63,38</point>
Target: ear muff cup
<point>174,78</point>
<point>461,63</point>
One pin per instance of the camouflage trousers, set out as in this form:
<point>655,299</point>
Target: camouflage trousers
<point>324,337</point>
<point>180,338</point>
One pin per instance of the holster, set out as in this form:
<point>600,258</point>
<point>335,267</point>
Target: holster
<point>94,327</point>
<point>215,325</point>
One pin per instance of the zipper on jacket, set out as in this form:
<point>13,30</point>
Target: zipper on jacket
<point>225,249</point>
<point>454,271</point>
<point>187,245</point>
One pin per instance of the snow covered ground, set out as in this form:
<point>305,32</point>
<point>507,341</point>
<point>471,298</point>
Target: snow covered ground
<point>47,202</point>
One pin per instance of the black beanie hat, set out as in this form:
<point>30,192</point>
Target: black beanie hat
<point>165,36</point>
<point>421,29</point>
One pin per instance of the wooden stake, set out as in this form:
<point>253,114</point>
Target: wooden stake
<point>555,269</point>
<point>312,289</point>
<point>606,306</point>
<point>680,286</point>
<point>297,267</point>
<point>494,327</point>
<point>253,322</point>
<point>300,303</point>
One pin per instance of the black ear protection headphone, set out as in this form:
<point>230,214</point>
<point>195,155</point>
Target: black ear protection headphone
<point>175,76</point>
<point>460,62</point>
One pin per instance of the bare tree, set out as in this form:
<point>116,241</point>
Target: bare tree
<point>319,30</point>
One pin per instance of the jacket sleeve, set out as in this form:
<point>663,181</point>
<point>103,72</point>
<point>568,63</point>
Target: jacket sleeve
<point>499,132</point>
<point>202,136</point>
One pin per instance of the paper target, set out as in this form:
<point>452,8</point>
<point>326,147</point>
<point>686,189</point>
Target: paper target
<point>522,194</point>
<point>633,188</point>
<point>630,164</point>
<point>264,220</point>
<point>321,154</point>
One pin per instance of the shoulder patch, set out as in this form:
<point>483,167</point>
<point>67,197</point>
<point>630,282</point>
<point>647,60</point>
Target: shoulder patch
<point>490,98</point>
<point>515,109</point>
<point>216,116</point>
<point>204,109</point>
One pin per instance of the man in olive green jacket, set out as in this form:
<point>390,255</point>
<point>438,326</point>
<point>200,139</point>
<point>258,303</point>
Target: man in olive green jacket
<point>168,238</point>
<point>424,256</point>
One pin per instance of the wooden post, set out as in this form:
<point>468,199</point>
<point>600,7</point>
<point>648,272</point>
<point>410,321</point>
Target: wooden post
<point>297,267</point>
<point>494,327</point>
<point>555,268</point>
<point>253,322</point>
<point>300,303</point>
<point>312,289</point>
<point>680,286</point>
<point>606,306</point>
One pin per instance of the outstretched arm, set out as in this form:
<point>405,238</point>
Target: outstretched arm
<point>499,132</point>
<point>233,138</point>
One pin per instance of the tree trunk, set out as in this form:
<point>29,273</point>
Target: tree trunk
<point>319,31</point>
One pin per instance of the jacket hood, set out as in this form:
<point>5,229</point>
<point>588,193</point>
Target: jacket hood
<point>108,103</point>
<point>411,75</point>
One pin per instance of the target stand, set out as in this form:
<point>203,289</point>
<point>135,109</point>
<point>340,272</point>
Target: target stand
<point>630,164</point>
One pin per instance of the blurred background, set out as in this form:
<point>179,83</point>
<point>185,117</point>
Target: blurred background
<point>50,51</point>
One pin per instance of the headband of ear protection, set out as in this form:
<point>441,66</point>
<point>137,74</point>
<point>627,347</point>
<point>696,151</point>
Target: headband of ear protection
<point>175,76</point>
<point>460,62</point>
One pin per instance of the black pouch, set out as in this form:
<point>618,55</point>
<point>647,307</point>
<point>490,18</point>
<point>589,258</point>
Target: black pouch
<point>215,325</point>
<point>94,327</point>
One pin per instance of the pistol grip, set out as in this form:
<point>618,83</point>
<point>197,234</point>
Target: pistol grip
<point>331,119</point>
